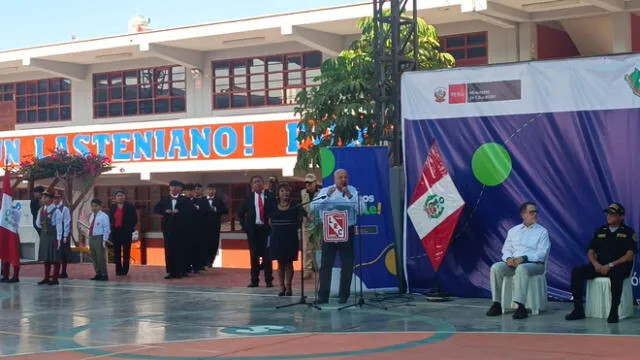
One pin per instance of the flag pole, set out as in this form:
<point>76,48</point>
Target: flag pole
<point>437,295</point>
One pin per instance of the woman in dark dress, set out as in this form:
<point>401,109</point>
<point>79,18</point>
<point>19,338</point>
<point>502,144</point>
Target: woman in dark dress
<point>123,218</point>
<point>285,219</point>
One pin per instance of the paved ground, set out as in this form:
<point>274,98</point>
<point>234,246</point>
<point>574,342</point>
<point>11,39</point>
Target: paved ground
<point>214,316</point>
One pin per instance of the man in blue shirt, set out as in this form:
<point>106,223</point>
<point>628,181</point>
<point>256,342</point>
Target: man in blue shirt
<point>341,193</point>
<point>523,255</point>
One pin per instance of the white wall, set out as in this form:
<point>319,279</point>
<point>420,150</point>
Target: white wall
<point>502,42</point>
<point>199,101</point>
<point>502,48</point>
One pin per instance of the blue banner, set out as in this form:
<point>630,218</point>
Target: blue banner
<point>368,169</point>
<point>560,134</point>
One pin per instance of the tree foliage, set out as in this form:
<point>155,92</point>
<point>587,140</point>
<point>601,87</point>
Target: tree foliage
<point>341,110</point>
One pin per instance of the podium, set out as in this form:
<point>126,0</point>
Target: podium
<point>334,218</point>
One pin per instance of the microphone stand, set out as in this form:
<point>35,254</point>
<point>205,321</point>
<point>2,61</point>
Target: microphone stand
<point>360,302</point>
<point>303,297</point>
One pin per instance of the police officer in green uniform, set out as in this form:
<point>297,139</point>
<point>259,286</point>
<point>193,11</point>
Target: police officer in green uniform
<point>610,254</point>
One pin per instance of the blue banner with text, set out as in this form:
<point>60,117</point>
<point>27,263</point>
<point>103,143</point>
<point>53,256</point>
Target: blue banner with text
<point>368,172</point>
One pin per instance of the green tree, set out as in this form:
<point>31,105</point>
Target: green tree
<point>344,100</point>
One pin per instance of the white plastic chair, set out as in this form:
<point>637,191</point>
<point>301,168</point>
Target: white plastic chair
<point>536,291</point>
<point>599,298</point>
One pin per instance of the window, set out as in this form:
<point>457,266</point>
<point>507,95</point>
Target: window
<point>263,81</point>
<point>467,49</point>
<point>160,90</point>
<point>39,100</point>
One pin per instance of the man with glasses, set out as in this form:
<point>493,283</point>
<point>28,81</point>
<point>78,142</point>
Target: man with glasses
<point>523,255</point>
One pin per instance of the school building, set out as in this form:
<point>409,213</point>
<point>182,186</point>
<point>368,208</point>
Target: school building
<point>213,103</point>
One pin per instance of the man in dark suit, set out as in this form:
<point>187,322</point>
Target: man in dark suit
<point>35,205</point>
<point>215,208</point>
<point>177,212</point>
<point>123,218</point>
<point>195,252</point>
<point>254,222</point>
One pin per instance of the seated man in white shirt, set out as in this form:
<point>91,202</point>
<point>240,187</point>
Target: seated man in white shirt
<point>523,255</point>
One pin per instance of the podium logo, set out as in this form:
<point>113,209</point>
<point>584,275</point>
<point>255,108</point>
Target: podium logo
<point>335,226</point>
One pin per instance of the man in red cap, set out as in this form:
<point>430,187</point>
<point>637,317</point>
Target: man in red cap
<point>611,253</point>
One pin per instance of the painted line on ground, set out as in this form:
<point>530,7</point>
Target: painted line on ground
<point>141,289</point>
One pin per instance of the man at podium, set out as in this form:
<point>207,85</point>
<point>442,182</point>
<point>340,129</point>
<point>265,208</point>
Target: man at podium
<point>340,196</point>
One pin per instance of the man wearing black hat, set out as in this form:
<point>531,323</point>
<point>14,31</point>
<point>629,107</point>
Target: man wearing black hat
<point>35,205</point>
<point>177,212</point>
<point>610,254</point>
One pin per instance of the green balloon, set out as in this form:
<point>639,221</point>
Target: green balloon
<point>327,162</point>
<point>491,164</point>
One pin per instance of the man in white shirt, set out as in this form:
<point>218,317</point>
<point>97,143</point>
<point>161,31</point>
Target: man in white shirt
<point>339,193</point>
<point>523,255</point>
<point>99,230</point>
<point>253,219</point>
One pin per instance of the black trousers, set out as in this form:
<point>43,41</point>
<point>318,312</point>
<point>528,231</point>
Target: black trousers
<point>258,249</point>
<point>202,248</point>
<point>586,272</point>
<point>173,254</point>
<point>346,252</point>
<point>121,250</point>
<point>212,245</point>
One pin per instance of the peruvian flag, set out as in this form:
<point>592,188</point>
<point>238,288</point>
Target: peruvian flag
<point>9,245</point>
<point>435,207</point>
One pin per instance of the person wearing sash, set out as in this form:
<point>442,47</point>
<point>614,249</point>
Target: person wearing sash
<point>49,221</point>
<point>65,248</point>
<point>5,264</point>
<point>99,232</point>
<point>123,218</point>
<point>285,219</point>
<point>339,193</point>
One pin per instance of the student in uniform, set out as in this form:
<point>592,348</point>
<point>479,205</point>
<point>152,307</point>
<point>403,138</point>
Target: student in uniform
<point>215,208</point>
<point>65,248</point>
<point>195,259</point>
<point>99,232</point>
<point>35,205</point>
<point>199,193</point>
<point>49,221</point>
<point>611,253</point>
<point>177,211</point>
